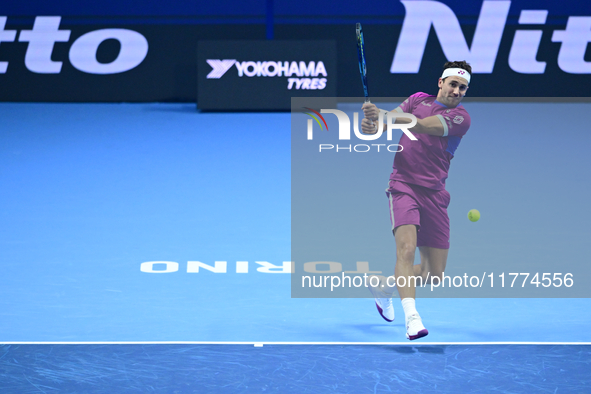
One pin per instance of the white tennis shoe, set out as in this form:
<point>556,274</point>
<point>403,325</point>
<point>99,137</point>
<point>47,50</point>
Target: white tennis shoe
<point>383,297</point>
<point>415,328</point>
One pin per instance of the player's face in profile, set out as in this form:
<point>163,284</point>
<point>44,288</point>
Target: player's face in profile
<point>452,90</point>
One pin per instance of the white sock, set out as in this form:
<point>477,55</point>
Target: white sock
<point>409,307</point>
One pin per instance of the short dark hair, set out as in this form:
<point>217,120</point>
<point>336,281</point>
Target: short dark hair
<point>458,64</point>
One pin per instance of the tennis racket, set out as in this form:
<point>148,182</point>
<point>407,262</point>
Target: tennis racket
<point>361,56</point>
<point>362,66</point>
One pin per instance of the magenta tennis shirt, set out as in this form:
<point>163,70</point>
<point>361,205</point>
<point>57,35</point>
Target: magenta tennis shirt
<point>425,162</point>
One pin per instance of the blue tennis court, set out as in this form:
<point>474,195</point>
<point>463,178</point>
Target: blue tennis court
<point>90,192</point>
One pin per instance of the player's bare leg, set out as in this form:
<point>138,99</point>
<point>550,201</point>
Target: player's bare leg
<point>433,262</point>
<point>406,245</point>
<point>383,288</point>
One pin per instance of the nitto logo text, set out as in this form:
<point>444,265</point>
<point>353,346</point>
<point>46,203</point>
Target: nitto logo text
<point>46,32</point>
<point>421,15</point>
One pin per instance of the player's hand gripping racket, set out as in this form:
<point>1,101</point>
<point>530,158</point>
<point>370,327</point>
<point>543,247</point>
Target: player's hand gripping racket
<point>362,67</point>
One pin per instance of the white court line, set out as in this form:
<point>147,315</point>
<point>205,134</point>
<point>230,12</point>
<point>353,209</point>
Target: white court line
<point>258,343</point>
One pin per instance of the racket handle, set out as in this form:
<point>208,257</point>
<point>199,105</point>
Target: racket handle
<point>372,122</point>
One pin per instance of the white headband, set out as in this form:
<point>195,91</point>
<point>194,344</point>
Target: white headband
<point>448,72</point>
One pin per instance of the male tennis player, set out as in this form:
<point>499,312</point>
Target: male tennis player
<point>417,197</point>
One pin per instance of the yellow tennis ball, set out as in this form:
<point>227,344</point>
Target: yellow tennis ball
<point>474,215</point>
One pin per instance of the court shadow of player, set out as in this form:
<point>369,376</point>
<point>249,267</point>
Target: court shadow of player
<point>431,349</point>
<point>366,327</point>
<point>378,332</point>
<point>425,349</point>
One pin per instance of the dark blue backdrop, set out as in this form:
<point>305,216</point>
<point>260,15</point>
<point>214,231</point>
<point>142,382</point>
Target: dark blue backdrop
<point>282,8</point>
<point>174,28</point>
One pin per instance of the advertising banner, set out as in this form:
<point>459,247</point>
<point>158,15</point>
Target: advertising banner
<point>263,75</point>
<point>61,59</point>
<point>516,48</point>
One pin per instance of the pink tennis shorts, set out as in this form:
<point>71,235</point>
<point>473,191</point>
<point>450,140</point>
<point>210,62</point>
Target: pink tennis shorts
<point>426,208</point>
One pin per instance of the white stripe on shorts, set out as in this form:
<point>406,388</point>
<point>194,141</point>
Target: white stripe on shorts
<point>391,211</point>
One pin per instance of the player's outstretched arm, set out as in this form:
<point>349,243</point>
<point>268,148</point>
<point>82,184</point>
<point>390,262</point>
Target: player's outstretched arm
<point>430,125</point>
